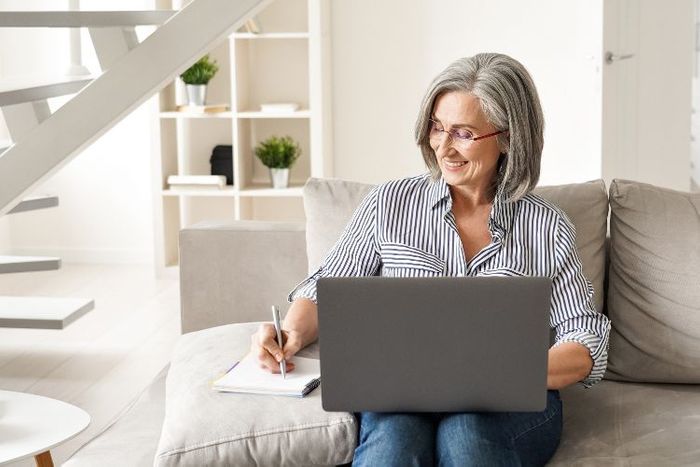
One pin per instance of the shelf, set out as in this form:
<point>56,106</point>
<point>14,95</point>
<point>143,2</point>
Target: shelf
<point>284,63</point>
<point>258,114</point>
<point>229,191</point>
<point>271,35</point>
<point>175,114</point>
<point>294,190</point>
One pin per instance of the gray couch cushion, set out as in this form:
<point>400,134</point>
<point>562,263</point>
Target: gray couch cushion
<point>132,439</point>
<point>329,204</point>
<point>205,427</point>
<point>654,291</point>
<point>586,205</point>
<point>625,424</point>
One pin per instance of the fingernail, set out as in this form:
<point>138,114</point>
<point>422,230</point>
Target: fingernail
<point>278,357</point>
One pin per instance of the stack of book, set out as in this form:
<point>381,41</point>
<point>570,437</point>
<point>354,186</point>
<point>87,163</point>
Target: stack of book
<point>196,182</point>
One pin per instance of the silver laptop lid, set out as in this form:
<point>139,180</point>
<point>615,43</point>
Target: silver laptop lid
<point>434,344</point>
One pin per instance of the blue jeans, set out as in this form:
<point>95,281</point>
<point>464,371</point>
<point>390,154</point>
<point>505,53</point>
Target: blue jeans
<point>489,439</point>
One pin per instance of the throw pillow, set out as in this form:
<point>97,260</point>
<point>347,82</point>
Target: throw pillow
<point>654,291</point>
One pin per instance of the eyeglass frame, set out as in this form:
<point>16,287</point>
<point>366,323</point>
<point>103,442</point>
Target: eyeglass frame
<point>452,135</point>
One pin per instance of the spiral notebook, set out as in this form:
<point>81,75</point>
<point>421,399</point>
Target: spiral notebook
<point>247,377</point>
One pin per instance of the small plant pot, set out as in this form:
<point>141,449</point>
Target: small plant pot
<point>279,177</point>
<point>196,94</point>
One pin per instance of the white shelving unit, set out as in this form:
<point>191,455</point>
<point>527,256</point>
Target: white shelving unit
<point>288,61</point>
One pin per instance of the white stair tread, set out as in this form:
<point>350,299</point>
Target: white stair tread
<point>42,312</point>
<point>18,89</point>
<point>10,264</point>
<point>34,203</point>
<point>75,19</point>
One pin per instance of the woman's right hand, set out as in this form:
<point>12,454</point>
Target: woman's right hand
<point>269,355</point>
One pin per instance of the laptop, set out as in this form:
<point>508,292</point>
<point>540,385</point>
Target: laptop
<point>438,344</point>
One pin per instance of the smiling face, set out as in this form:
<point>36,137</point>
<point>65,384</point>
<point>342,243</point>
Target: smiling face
<point>468,166</point>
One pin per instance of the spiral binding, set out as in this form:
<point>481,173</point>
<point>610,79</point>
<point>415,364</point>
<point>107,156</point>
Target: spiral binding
<point>313,384</point>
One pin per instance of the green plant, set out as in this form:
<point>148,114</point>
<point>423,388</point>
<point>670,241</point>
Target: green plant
<point>278,153</point>
<point>201,72</point>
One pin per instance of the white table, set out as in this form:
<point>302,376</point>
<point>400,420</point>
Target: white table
<point>31,425</point>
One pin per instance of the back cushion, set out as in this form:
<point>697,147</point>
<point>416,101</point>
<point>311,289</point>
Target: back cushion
<point>329,204</point>
<point>654,290</point>
<point>586,205</point>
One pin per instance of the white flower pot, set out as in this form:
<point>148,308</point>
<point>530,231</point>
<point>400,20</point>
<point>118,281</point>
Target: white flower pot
<point>196,94</point>
<point>280,178</point>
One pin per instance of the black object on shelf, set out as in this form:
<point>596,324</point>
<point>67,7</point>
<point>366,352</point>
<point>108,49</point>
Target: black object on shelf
<point>222,162</point>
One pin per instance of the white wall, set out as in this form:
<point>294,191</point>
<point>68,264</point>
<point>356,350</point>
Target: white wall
<point>695,116</point>
<point>105,211</point>
<point>4,235</point>
<point>386,53</point>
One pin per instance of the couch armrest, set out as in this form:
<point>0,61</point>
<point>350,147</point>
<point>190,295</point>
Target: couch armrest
<point>232,272</point>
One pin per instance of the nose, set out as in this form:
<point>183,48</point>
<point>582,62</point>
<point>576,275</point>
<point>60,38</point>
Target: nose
<point>444,146</point>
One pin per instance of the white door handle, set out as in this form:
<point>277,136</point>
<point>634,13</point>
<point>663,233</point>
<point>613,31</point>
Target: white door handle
<point>611,57</point>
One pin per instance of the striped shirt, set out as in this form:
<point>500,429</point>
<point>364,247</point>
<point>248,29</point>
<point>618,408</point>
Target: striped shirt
<point>406,228</point>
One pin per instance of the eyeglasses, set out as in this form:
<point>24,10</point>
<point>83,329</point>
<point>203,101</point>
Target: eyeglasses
<point>461,136</point>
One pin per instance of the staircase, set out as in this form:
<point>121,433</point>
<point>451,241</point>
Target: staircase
<point>43,142</point>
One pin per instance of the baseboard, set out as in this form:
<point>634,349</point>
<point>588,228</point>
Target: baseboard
<point>90,255</point>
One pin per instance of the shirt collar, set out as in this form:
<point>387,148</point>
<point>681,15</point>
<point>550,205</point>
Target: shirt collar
<point>438,191</point>
<point>501,214</point>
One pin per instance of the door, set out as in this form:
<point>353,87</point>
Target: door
<point>646,91</point>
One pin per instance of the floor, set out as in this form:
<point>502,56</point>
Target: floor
<point>104,359</point>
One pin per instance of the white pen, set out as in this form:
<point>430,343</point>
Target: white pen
<point>278,329</point>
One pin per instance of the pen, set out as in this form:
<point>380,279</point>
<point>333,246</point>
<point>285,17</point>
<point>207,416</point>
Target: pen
<point>278,330</point>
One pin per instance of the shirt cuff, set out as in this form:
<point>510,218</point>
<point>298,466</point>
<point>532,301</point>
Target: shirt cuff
<point>306,288</point>
<point>598,349</point>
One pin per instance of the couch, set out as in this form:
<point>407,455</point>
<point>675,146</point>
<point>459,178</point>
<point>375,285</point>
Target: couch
<point>643,261</point>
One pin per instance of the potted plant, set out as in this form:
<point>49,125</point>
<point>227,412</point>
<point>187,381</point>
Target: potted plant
<point>278,154</point>
<point>196,79</point>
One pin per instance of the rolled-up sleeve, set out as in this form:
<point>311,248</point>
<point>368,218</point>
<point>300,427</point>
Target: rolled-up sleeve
<point>356,253</point>
<point>573,315</point>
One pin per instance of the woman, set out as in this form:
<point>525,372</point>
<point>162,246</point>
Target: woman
<point>480,130</point>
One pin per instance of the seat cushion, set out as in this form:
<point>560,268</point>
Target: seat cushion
<point>654,290</point>
<point>206,427</point>
<point>132,439</point>
<point>330,203</point>
<point>623,424</point>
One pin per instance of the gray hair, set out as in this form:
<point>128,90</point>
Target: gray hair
<point>509,100</point>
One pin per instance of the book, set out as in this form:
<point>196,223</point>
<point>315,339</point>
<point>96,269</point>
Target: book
<point>191,188</point>
<point>247,377</point>
<point>203,109</point>
<point>196,181</point>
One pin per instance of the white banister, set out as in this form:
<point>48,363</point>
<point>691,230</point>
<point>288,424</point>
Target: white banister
<point>76,67</point>
<point>135,77</point>
<point>77,19</point>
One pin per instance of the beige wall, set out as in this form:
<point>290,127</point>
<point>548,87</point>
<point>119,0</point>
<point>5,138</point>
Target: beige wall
<point>386,53</point>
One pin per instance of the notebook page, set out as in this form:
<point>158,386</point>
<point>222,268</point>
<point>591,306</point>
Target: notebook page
<point>247,376</point>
